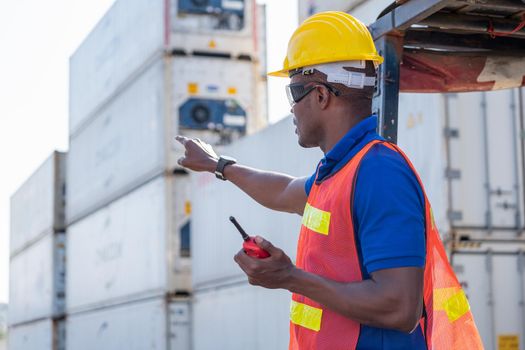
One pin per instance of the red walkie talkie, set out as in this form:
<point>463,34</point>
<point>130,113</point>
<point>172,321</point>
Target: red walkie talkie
<point>249,246</point>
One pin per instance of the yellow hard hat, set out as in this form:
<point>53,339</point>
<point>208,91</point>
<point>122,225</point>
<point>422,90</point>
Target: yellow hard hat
<point>326,37</point>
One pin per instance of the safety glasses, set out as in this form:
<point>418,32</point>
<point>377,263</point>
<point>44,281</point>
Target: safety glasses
<point>297,91</point>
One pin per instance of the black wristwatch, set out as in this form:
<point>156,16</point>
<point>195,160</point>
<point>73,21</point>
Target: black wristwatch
<point>223,161</point>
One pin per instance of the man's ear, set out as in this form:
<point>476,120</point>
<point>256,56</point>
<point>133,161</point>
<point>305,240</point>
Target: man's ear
<point>323,96</point>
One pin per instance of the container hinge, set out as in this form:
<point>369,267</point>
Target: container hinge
<point>451,133</point>
<point>452,174</point>
<point>455,215</point>
<point>488,261</point>
<point>520,261</point>
<point>506,205</point>
<point>500,192</point>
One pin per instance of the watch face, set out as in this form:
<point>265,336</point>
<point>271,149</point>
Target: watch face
<point>230,159</point>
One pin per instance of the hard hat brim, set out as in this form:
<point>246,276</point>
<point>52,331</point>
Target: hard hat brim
<point>283,73</point>
<point>279,73</point>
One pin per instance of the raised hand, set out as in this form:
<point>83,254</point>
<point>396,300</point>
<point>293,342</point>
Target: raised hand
<point>199,155</point>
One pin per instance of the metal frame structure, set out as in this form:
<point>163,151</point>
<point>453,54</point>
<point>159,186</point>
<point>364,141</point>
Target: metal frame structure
<point>445,27</point>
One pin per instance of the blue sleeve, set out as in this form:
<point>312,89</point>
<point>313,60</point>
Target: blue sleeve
<point>308,184</point>
<point>389,215</point>
<point>310,181</point>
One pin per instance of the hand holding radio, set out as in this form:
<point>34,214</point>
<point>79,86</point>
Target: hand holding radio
<point>264,264</point>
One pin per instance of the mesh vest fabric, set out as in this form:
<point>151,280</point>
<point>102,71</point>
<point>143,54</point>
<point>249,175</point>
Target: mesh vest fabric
<point>327,247</point>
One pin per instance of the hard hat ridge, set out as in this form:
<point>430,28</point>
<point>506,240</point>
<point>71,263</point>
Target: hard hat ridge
<point>327,37</point>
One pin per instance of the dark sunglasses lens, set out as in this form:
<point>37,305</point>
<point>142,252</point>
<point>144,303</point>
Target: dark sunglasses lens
<point>298,91</point>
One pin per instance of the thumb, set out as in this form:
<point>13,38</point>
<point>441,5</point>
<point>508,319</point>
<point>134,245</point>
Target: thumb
<point>266,245</point>
<point>181,139</point>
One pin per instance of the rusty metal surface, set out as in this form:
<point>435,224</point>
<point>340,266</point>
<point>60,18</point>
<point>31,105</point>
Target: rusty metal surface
<point>457,45</point>
<point>427,71</point>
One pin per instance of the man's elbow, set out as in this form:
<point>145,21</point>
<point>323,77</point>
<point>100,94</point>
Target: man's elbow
<point>407,324</point>
<point>407,316</point>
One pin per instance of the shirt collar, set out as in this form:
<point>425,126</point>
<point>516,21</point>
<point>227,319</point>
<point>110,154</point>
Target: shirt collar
<point>351,138</point>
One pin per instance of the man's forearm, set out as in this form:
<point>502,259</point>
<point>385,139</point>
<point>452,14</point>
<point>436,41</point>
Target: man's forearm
<point>273,190</point>
<point>367,302</point>
<point>265,187</point>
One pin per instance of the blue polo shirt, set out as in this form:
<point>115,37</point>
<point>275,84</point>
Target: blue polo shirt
<point>389,218</point>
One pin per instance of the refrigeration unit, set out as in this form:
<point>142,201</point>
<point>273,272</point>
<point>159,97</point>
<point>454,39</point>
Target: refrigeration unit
<point>228,14</point>
<point>132,139</point>
<point>133,34</point>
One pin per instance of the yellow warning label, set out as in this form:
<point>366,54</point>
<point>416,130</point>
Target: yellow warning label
<point>193,88</point>
<point>187,207</point>
<point>212,44</point>
<point>508,342</point>
<point>232,90</point>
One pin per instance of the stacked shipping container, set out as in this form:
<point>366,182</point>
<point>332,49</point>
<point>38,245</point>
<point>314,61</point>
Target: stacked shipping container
<point>37,263</point>
<point>147,72</point>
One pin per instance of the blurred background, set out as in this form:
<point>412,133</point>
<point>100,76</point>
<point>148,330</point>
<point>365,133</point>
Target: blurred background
<point>105,243</point>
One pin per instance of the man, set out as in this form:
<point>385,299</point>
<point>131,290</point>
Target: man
<point>359,278</point>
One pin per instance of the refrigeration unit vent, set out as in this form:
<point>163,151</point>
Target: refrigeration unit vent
<point>230,13</point>
<point>216,115</point>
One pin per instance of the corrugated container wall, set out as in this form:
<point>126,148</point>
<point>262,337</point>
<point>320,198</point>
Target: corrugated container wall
<point>145,325</point>
<point>134,32</point>
<point>493,278</point>
<point>214,238</point>
<point>239,317</point>
<point>420,134</point>
<point>485,148</point>
<point>41,198</point>
<point>133,248</point>
<point>132,139</point>
<point>40,335</point>
<point>472,137</point>
<point>37,280</point>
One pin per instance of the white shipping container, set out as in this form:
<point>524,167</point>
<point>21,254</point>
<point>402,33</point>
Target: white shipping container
<point>215,240</point>
<point>240,317</point>
<point>134,32</point>
<point>40,335</point>
<point>132,139</point>
<point>310,7</point>
<point>37,280</point>
<point>486,161</point>
<point>468,152</point>
<point>133,248</point>
<point>493,279</point>
<point>420,136</point>
<point>40,198</point>
<point>153,324</point>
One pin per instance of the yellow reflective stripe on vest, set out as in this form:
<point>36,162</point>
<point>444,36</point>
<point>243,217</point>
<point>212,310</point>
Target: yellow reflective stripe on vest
<point>306,316</point>
<point>316,219</point>
<point>451,300</point>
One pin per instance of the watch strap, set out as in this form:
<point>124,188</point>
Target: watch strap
<point>221,164</point>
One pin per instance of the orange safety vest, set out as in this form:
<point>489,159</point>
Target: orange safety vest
<point>327,248</point>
